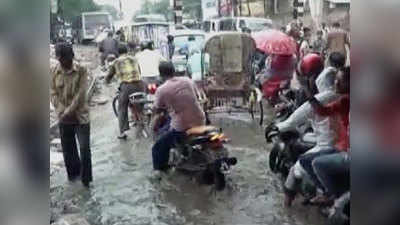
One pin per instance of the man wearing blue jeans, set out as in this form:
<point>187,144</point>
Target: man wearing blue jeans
<point>327,167</point>
<point>306,161</point>
<point>177,96</point>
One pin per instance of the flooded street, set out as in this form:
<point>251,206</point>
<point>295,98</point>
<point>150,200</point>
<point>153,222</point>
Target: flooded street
<point>124,191</point>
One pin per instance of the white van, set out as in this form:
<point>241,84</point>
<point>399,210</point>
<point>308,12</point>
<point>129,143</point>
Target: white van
<point>255,24</point>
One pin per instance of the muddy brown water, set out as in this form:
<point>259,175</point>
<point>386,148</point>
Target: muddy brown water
<point>125,191</point>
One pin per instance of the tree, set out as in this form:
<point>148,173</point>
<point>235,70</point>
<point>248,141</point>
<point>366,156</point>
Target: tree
<point>248,7</point>
<point>110,9</point>
<point>234,6</point>
<point>155,7</point>
<point>192,7</point>
<point>72,8</point>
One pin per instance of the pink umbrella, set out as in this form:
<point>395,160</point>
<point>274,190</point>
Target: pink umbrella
<point>275,42</point>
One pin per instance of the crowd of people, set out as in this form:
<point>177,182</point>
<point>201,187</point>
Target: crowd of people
<point>320,68</point>
<point>323,41</point>
<point>322,99</point>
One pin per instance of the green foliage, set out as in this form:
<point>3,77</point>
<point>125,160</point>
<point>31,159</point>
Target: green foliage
<point>193,8</point>
<point>190,7</point>
<point>110,9</point>
<point>155,7</point>
<point>73,8</point>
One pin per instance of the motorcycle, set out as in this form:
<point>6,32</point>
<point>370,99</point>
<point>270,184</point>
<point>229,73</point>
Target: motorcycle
<point>287,147</point>
<point>339,214</point>
<point>202,153</point>
<point>140,108</point>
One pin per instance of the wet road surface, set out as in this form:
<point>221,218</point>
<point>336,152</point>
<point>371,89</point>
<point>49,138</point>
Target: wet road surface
<point>125,191</point>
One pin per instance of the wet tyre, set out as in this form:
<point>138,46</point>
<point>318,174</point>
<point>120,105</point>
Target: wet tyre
<point>219,181</point>
<point>207,177</point>
<point>115,105</point>
<point>273,159</point>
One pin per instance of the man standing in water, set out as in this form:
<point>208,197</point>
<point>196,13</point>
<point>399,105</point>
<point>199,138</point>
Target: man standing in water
<point>68,88</point>
<point>337,40</point>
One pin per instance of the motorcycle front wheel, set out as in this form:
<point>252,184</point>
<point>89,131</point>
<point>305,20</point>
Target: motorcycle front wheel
<point>273,159</point>
<point>115,105</point>
<point>219,181</point>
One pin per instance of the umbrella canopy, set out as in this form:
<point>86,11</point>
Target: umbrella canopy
<point>275,42</point>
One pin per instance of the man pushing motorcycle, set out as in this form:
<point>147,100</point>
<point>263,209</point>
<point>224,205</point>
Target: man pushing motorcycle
<point>127,70</point>
<point>177,96</point>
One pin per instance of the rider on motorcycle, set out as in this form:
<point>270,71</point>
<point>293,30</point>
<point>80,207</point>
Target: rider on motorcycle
<point>327,166</point>
<point>149,59</point>
<point>310,67</point>
<point>278,71</point>
<point>177,96</point>
<point>108,46</point>
<point>127,70</point>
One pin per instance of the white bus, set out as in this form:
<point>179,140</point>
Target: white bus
<point>90,24</point>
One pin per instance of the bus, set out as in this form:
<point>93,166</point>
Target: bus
<point>90,24</point>
<point>150,18</point>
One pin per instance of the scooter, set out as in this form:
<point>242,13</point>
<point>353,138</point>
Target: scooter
<point>287,147</point>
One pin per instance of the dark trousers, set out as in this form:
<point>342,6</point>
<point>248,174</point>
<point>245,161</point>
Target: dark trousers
<point>77,166</point>
<point>306,162</point>
<point>162,147</point>
<point>126,89</point>
<point>328,167</point>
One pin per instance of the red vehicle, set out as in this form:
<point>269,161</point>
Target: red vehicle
<point>280,64</point>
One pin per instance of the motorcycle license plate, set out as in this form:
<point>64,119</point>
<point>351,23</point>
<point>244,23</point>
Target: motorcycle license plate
<point>151,98</point>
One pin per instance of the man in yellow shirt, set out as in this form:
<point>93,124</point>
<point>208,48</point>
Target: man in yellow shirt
<point>127,70</point>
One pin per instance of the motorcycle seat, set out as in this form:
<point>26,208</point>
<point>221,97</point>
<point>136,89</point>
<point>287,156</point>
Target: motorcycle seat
<point>200,130</point>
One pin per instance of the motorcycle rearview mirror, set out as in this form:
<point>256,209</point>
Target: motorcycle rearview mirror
<point>271,131</point>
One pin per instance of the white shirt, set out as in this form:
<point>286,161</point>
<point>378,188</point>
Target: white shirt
<point>322,127</point>
<point>149,62</point>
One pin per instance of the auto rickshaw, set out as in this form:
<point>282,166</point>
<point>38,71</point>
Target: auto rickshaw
<point>228,76</point>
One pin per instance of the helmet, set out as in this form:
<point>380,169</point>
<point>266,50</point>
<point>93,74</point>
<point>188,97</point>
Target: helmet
<point>311,64</point>
<point>147,44</point>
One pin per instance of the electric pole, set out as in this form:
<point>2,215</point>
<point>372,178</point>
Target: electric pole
<point>178,8</point>
<point>298,8</point>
